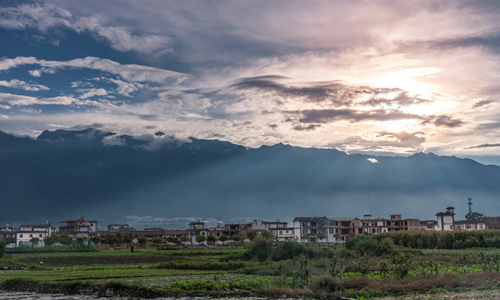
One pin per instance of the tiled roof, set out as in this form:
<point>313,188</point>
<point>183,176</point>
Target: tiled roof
<point>492,222</point>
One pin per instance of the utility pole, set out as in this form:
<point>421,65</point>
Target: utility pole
<point>470,204</point>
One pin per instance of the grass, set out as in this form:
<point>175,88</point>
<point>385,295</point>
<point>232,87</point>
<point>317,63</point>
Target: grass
<point>207,269</point>
<point>55,275</point>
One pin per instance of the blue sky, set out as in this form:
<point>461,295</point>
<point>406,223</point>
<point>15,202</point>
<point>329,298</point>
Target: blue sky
<point>378,77</point>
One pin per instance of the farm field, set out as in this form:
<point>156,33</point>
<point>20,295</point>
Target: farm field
<point>363,268</point>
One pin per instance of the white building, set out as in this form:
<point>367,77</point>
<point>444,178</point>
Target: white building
<point>445,219</point>
<point>28,232</point>
<point>197,228</point>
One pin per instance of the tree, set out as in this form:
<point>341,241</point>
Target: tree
<point>267,234</point>
<point>127,237</point>
<point>142,240</point>
<point>3,243</point>
<point>251,234</point>
<point>111,239</point>
<point>64,237</point>
<point>119,238</point>
<point>321,236</point>
<point>238,237</point>
<point>474,216</point>
<point>95,239</point>
<point>156,240</point>
<point>200,238</point>
<point>184,238</point>
<point>260,247</point>
<point>172,239</point>
<point>211,239</point>
<point>223,238</point>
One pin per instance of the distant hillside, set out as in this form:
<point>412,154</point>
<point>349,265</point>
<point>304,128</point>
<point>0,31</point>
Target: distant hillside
<point>64,174</point>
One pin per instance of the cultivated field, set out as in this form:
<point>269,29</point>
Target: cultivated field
<point>363,268</point>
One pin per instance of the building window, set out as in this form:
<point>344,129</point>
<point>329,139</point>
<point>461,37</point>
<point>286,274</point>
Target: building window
<point>40,235</point>
<point>31,235</point>
<point>20,235</point>
<point>332,231</point>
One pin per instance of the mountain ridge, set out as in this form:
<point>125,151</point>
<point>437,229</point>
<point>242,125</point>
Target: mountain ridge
<point>66,173</point>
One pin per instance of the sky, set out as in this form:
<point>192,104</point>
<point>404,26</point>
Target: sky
<point>375,77</point>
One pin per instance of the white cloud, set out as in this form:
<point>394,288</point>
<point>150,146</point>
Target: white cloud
<point>38,73</point>
<point>22,100</point>
<point>31,110</point>
<point>129,72</point>
<point>372,160</point>
<point>4,116</point>
<point>88,93</point>
<point>45,17</point>
<point>125,88</point>
<point>113,140</point>
<point>19,84</point>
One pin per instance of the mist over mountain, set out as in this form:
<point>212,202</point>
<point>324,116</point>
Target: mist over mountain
<point>66,174</point>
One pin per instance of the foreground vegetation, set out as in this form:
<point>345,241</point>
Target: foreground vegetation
<point>364,267</point>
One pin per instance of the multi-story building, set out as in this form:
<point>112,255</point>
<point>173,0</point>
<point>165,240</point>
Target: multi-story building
<point>118,227</point>
<point>196,228</point>
<point>428,225</point>
<point>470,225</point>
<point>229,229</point>
<point>28,232</point>
<point>7,233</point>
<point>311,229</point>
<point>79,228</point>
<point>445,219</point>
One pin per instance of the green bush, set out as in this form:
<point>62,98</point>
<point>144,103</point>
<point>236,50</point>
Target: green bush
<point>455,239</point>
<point>260,247</point>
<point>3,243</point>
<point>196,265</point>
<point>9,283</point>
<point>288,250</point>
<point>370,245</point>
<point>156,240</point>
<point>142,240</point>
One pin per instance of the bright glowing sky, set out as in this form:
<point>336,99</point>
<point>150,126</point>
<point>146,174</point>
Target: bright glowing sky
<point>373,77</point>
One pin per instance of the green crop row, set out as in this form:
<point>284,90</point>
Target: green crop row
<point>203,285</point>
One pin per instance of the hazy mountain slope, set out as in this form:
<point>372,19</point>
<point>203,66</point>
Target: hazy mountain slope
<point>64,174</point>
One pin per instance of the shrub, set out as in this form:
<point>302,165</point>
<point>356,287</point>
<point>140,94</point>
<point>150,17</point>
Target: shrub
<point>156,240</point>
<point>142,240</point>
<point>251,234</point>
<point>172,239</point>
<point>371,245</point>
<point>199,238</point>
<point>3,243</point>
<point>260,247</point>
<point>111,239</point>
<point>127,237</point>
<point>288,250</point>
<point>211,239</point>
<point>223,238</point>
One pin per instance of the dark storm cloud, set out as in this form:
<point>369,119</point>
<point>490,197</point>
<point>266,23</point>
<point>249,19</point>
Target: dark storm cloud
<point>332,115</point>
<point>402,99</point>
<point>443,120</point>
<point>334,92</point>
<point>490,42</point>
<point>316,93</point>
<point>306,128</point>
<point>482,103</point>
<point>483,146</point>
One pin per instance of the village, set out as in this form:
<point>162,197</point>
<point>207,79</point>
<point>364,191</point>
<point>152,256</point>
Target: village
<point>313,229</point>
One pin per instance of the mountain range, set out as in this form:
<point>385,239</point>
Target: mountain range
<point>66,174</point>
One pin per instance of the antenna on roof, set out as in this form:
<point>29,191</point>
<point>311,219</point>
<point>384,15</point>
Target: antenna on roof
<point>470,204</point>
